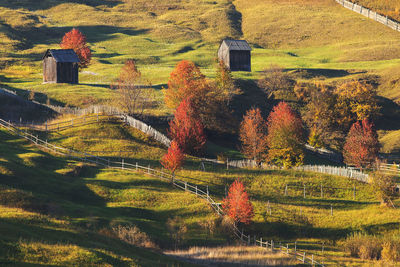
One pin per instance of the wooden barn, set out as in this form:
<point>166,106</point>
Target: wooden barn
<point>60,66</point>
<point>236,54</point>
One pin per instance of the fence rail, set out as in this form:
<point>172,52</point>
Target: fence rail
<point>370,14</point>
<point>351,173</point>
<point>202,192</point>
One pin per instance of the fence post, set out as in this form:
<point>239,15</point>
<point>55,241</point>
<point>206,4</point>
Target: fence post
<point>46,126</point>
<point>304,190</point>
<point>272,245</point>
<point>207,191</point>
<point>322,192</point>
<point>248,240</point>
<point>304,257</point>
<point>286,187</point>
<point>136,166</point>
<point>227,163</point>
<point>72,122</point>
<point>295,246</point>
<point>312,259</point>
<point>196,190</point>
<point>148,169</point>
<point>331,210</point>
<point>354,192</point>
<point>261,241</point>
<point>122,163</point>
<point>185,186</point>
<point>287,249</point>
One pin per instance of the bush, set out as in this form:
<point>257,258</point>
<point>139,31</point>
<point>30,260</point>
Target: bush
<point>363,246</point>
<point>391,251</point>
<point>370,250</point>
<point>131,234</point>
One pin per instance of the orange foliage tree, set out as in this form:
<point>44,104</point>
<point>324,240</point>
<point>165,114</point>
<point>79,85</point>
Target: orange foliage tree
<point>184,82</point>
<point>75,40</point>
<point>237,204</point>
<point>362,145</point>
<point>285,136</point>
<point>187,129</point>
<point>253,135</point>
<point>173,159</point>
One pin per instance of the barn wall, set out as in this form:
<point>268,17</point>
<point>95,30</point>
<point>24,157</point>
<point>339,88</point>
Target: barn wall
<point>223,54</point>
<point>67,72</point>
<point>49,70</point>
<point>240,60</point>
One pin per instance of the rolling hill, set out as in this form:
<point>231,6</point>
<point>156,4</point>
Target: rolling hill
<point>67,211</point>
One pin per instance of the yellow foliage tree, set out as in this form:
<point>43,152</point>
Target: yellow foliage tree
<point>356,98</point>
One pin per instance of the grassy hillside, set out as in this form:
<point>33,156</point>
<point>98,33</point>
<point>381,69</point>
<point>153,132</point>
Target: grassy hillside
<point>66,190</point>
<point>59,212</point>
<point>319,35</point>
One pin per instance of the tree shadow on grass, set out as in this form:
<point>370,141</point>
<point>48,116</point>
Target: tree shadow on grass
<point>390,115</point>
<point>309,73</point>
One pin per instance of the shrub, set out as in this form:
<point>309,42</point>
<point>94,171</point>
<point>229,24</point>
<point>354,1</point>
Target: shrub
<point>131,234</point>
<point>370,250</point>
<point>363,246</point>
<point>391,251</point>
<point>384,185</point>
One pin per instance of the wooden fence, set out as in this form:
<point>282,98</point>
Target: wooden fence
<point>201,192</point>
<point>333,170</point>
<point>107,112</point>
<point>370,14</point>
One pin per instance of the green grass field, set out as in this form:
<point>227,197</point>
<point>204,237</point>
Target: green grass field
<point>53,214</point>
<point>324,40</point>
<point>308,221</point>
<point>46,209</point>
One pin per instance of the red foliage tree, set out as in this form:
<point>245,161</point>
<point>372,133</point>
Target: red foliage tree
<point>253,135</point>
<point>237,204</point>
<point>187,129</point>
<point>77,41</point>
<point>173,159</point>
<point>184,82</point>
<point>285,136</point>
<point>362,145</point>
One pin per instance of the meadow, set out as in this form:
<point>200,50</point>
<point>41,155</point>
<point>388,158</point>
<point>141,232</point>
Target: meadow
<point>65,210</point>
<point>318,224</point>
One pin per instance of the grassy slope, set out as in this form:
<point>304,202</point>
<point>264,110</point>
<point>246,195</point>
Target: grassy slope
<point>46,211</point>
<point>332,43</point>
<point>293,218</point>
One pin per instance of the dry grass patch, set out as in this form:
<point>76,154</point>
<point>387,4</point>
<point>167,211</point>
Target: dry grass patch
<point>234,254</point>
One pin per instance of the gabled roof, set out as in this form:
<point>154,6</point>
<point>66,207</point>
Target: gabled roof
<point>237,45</point>
<point>62,55</point>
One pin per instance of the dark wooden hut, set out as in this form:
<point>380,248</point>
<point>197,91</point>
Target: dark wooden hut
<point>236,54</point>
<point>60,66</point>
